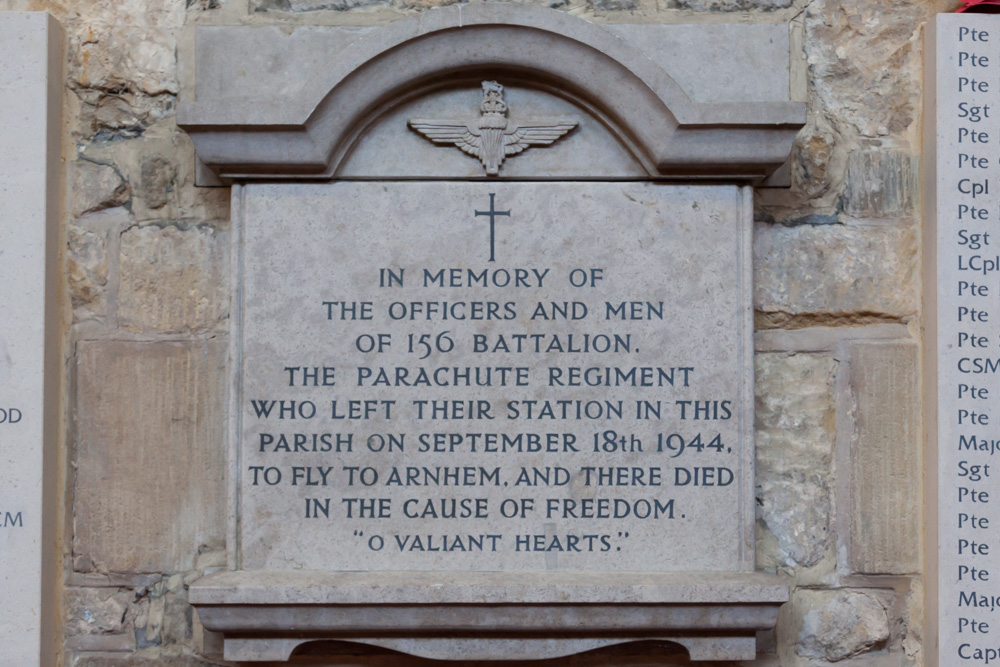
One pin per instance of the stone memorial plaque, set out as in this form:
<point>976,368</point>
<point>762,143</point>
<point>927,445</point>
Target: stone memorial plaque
<point>963,282</point>
<point>493,376</point>
<point>491,348</point>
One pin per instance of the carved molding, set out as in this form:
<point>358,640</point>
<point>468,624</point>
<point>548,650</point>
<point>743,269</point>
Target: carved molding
<point>274,136</point>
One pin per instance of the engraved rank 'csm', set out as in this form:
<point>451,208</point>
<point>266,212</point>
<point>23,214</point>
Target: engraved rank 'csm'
<point>493,138</point>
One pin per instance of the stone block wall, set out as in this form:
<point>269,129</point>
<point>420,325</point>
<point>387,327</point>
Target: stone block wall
<point>145,267</point>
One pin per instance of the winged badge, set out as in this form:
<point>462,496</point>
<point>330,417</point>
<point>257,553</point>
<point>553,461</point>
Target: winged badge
<point>493,138</point>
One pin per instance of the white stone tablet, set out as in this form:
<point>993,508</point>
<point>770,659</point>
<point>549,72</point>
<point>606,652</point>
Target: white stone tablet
<point>962,274</point>
<point>30,86</point>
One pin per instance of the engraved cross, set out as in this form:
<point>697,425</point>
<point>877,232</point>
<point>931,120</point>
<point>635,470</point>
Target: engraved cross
<point>493,213</point>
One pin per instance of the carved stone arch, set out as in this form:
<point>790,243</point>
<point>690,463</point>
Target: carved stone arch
<point>308,133</point>
<point>457,95</point>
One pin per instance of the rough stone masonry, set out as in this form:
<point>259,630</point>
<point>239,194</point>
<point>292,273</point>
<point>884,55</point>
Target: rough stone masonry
<point>837,298</point>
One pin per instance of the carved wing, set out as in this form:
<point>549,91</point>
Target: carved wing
<point>449,132</point>
<point>519,137</point>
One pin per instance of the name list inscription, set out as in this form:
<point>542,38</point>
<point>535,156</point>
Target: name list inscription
<point>968,266</point>
<point>481,386</point>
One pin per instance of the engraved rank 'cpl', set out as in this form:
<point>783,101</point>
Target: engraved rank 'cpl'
<point>493,138</point>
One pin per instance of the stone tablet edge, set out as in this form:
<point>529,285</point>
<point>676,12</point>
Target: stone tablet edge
<point>930,343</point>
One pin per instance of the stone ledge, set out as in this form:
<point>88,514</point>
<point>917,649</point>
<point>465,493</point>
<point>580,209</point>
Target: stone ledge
<point>267,615</point>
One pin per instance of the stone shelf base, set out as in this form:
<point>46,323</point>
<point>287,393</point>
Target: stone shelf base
<point>267,615</point>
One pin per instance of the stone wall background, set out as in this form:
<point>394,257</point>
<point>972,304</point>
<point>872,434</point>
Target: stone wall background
<point>145,265</point>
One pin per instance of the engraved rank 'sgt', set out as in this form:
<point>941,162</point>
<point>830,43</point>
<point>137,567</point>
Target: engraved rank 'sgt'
<point>493,138</point>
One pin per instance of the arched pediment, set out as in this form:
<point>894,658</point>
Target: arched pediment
<point>340,85</point>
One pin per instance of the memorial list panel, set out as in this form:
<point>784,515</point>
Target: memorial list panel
<point>493,376</point>
<point>967,71</point>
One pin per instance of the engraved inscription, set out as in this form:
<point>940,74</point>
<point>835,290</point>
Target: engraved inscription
<point>572,400</point>
<point>968,282</point>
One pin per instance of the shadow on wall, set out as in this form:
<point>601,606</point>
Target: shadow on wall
<point>632,654</point>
